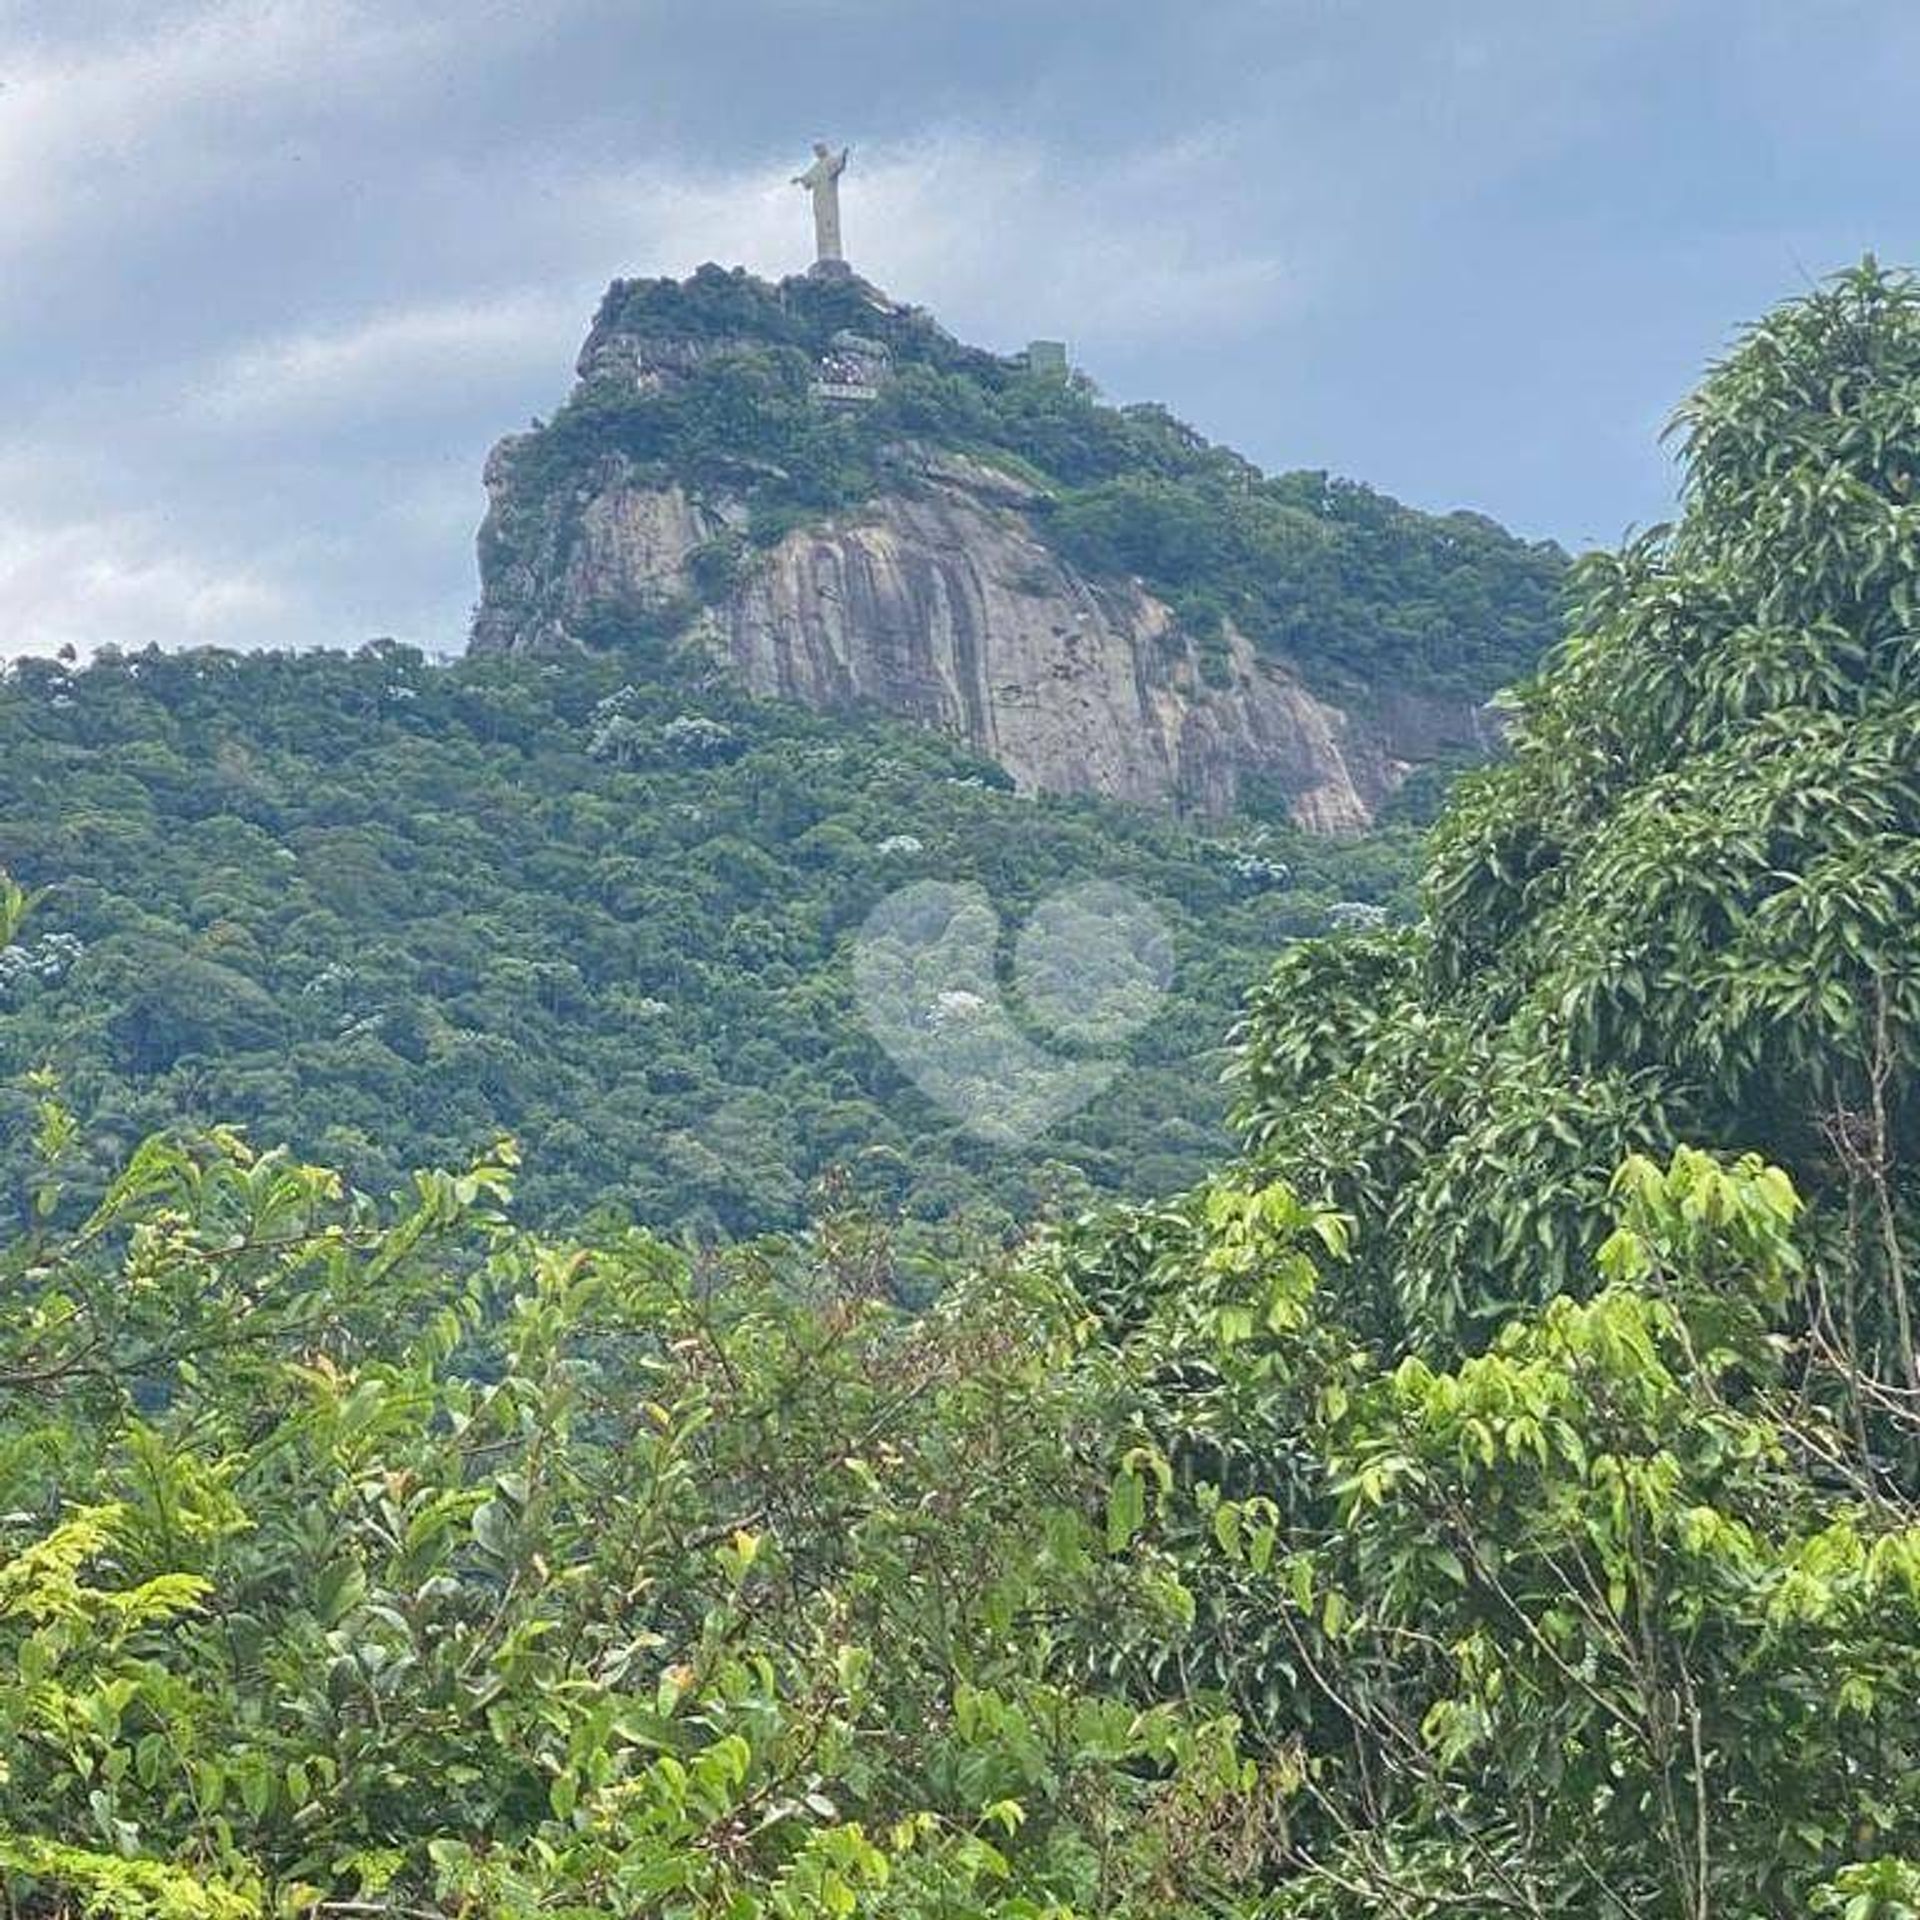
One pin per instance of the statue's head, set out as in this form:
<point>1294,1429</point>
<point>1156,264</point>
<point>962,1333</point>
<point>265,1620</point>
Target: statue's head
<point>821,149</point>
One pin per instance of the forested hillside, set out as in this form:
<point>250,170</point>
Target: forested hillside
<point>388,912</point>
<point>1494,1492</point>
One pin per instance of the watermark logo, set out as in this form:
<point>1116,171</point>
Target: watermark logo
<point>1010,1056</point>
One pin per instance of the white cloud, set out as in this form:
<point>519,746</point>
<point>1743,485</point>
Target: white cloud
<point>282,532</point>
<point>188,105</point>
<point>436,508</point>
<point>1006,237</point>
<point>408,356</point>
<point>1011,238</point>
<point>274,272</point>
<point>122,579</point>
<point>996,237</point>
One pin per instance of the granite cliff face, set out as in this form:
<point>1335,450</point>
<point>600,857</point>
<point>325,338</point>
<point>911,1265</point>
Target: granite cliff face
<point>939,599</point>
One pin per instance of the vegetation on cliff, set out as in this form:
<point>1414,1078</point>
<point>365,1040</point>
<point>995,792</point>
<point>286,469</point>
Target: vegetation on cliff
<point>1361,595</point>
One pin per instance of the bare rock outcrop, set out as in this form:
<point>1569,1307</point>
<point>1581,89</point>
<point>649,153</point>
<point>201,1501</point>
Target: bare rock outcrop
<point>943,606</point>
<point>939,602</point>
<point>658,505</point>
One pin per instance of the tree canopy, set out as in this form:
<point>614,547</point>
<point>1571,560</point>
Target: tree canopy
<point>384,911</point>
<point>1683,907</point>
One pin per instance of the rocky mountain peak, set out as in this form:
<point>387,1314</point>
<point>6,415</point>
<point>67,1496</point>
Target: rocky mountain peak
<point>824,490</point>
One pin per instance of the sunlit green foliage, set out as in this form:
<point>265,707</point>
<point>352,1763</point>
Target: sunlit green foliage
<point>397,1559</point>
<point>394,1562</point>
<point>1610,1618</point>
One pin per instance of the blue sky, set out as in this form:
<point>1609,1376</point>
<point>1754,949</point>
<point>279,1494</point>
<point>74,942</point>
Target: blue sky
<point>275,273</point>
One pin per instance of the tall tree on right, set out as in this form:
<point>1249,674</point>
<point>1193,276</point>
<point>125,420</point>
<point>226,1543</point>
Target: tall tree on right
<point>1687,905</point>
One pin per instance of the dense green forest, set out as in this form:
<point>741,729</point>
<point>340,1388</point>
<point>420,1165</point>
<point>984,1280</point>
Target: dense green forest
<point>1360,594</point>
<point>388,912</point>
<point>1494,1490</point>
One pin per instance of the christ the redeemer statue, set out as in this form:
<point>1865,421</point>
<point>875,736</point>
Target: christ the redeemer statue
<point>822,180</point>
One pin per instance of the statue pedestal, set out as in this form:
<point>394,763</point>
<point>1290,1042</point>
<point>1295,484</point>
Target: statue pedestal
<point>829,270</point>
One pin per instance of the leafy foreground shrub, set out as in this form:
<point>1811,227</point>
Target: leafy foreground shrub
<point>397,1563</point>
<point>367,1564</point>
